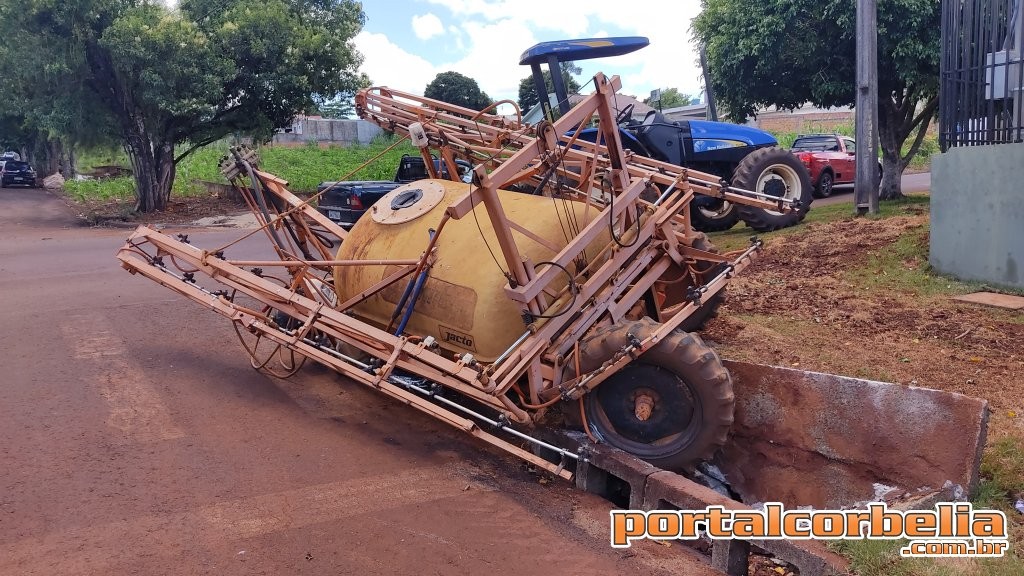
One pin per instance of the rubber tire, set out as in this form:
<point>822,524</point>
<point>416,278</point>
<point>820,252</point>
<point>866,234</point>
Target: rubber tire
<point>690,359</point>
<point>826,182</point>
<point>709,308</point>
<point>708,224</point>
<point>746,175</point>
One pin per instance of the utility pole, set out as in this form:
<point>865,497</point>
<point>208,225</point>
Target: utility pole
<point>866,183</point>
<point>709,94</point>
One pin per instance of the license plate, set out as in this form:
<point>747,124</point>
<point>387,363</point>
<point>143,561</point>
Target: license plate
<point>19,179</point>
<point>334,215</point>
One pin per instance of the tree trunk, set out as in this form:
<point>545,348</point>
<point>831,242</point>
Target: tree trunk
<point>153,167</point>
<point>899,119</point>
<point>68,163</point>
<point>54,153</point>
<point>892,178</point>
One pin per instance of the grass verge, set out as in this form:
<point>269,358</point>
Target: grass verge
<point>303,167</point>
<point>739,236</point>
<point>1002,471</point>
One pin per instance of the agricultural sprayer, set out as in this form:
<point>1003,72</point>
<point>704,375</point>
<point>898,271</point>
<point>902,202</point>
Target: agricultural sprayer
<point>561,287</point>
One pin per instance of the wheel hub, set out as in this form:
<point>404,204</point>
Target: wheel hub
<point>775,187</point>
<point>643,406</point>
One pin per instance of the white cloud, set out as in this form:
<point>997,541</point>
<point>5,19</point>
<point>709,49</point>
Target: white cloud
<point>494,64</point>
<point>427,26</point>
<point>389,65</point>
<point>569,17</point>
<point>492,34</point>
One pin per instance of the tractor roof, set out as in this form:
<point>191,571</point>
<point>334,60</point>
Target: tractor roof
<point>582,49</point>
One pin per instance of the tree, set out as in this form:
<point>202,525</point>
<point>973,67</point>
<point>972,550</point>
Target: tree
<point>454,88</point>
<point>47,109</point>
<point>671,98</point>
<point>197,73</point>
<point>341,106</point>
<point>528,89</point>
<point>789,52</point>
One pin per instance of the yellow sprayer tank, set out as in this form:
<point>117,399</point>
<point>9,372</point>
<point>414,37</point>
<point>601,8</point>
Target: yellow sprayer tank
<point>462,304</point>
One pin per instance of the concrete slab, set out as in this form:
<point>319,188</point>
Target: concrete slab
<point>806,438</point>
<point>666,490</point>
<point>993,299</point>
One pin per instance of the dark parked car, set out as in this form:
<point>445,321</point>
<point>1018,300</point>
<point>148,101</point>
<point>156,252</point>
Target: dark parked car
<point>345,202</point>
<point>17,172</point>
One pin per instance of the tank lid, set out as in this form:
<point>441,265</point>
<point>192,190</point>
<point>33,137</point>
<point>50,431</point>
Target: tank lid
<point>407,202</point>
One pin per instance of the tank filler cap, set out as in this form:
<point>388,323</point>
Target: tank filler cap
<point>408,202</point>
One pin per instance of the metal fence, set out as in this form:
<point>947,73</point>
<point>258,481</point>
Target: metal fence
<point>981,98</point>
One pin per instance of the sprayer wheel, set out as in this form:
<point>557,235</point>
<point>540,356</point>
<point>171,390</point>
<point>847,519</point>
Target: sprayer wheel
<point>672,407</point>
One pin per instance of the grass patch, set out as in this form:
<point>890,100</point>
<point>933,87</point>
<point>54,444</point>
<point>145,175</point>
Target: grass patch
<point>903,267</point>
<point>304,167</point>
<point>880,558</point>
<point>110,189</point>
<point>739,236</point>
<point>1002,470</point>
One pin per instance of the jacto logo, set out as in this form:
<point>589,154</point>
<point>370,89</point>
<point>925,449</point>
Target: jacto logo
<point>951,529</point>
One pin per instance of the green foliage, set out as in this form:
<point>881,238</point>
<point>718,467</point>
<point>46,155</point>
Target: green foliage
<point>880,558</point>
<point>110,189</point>
<point>454,88</point>
<point>1002,469</point>
<point>738,236</point>
<point>922,158</point>
<point>341,106</point>
<point>786,53</point>
<point>671,98</point>
<point>303,167</point>
<point>528,89</point>
<point>903,267</point>
<point>195,73</point>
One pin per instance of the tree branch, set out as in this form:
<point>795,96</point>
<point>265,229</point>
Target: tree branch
<point>194,147</point>
<point>922,121</point>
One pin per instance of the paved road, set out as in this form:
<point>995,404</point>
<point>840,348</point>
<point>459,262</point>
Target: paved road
<point>134,439</point>
<point>911,183</point>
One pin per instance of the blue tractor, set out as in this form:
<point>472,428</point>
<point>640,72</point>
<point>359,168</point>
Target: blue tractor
<point>746,157</point>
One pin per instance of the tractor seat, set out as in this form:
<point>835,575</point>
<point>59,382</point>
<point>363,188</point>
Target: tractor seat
<point>661,137</point>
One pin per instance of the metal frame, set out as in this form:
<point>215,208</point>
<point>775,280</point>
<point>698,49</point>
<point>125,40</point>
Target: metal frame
<point>981,95</point>
<point>650,237</point>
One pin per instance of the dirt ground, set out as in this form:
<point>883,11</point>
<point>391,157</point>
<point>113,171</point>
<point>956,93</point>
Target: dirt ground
<point>819,299</point>
<point>180,211</point>
<point>135,439</point>
<point>814,301</point>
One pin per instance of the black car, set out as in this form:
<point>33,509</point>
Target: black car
<point>17,172</point>
<point>345,202</point>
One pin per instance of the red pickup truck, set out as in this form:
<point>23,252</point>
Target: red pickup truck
<point>830,158</point>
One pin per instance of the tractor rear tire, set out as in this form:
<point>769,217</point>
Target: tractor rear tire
<point>692,394</point>
<point>714,220</point>
<point>778,172</point>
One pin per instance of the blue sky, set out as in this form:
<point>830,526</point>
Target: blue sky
<point>405,43</point>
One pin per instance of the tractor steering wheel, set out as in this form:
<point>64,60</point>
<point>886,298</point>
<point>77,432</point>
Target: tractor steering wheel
<point>625,114</point>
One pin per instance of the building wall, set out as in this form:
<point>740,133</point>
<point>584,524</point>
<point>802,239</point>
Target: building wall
<point>977,214</point>
<point>782,122</point>
<point>325,130</point>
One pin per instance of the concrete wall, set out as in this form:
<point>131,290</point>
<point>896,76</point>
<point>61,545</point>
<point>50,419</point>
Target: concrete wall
<point>977,214</point>
<point>330,131</point>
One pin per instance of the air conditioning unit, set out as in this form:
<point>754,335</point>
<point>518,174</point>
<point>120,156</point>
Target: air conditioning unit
<point>1002,74</point>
